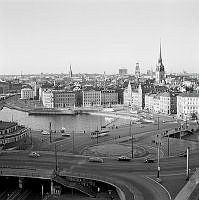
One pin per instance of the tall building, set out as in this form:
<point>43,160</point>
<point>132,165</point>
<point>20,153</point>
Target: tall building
<point>160,73</point>
<point>122,72</point>
<point>137,70</point>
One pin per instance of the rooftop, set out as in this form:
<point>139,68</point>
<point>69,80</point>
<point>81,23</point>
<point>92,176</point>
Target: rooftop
<point>5,125</point>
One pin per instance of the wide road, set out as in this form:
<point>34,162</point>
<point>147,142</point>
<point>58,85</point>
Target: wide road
<point>133,175</point>
<point>77,142</point>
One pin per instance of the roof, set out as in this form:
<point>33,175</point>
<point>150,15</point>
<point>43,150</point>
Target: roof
<point>189,95</point>
<point>5,125</point>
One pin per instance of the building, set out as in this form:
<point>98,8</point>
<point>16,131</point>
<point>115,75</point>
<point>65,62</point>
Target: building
<point>91,98</point>
<point>188,105</point>
<point>164,102</point>
<point>127,95</point>
<point>122,72</point>
<point>109,97</point>
<point>160,72</point>
<point>63,98</point>
<point>137,70</point>
<point>136,98</point>
<point>47,98</point>
<point>168,103</point>
<point>11,134</point>
<point>4,87</point>
<point>58,98</point>
<point>27,93</point>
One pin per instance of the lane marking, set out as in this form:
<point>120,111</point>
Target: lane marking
<point>160,186</point>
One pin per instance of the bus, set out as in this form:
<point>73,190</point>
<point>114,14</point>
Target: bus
<point>97,133</point>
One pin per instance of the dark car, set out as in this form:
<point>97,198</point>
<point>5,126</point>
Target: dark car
<point>149,160</point>
<point>184,154</point>
<point>123,158</point>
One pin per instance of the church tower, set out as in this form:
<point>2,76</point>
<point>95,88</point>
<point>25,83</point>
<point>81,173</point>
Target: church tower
<point>137,70</point>
<point>70,72</point>
<point>160,73</point>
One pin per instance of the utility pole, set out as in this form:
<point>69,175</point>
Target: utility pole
<point>97,134</point>
<point>73,142</point>
<point>158,164</point>
<point>56,162</point>
<point>187,171</point>
<point>50,132</point>
<point>168,144</point>
<point>131,134</point>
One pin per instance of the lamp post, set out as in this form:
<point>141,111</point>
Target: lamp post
<point>73,142</point>
<point>187,171</point>
<point>158,163</point>
<point>56,162</point>
<point>131,134</point>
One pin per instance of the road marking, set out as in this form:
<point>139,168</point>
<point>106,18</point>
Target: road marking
<point>160,185</point>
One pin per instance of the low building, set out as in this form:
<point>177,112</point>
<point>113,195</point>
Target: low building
<point>11,134</point>
<point>27,93</point>
<point>188,105</point>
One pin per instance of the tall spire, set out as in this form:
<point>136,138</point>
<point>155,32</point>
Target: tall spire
<point>70,72</point>
<point>160,58</point>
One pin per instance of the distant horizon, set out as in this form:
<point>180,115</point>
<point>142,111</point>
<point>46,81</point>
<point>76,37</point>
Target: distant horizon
<point>98,35</point>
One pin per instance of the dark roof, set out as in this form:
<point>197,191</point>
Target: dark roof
<point>189,94</point>
<point>5,125</point>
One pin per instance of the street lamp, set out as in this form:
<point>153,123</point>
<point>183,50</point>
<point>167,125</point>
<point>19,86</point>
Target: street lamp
<point>131,135</point>
<point>187,171</point>
<point>56,162</point>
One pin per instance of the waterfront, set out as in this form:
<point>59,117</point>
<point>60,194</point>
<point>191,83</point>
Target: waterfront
<point>75,123</point>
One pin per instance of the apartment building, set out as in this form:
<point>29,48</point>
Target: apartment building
<point>91,98</point>
<point>187,105</point>
<point>27,93</point>
<point>109,97</point>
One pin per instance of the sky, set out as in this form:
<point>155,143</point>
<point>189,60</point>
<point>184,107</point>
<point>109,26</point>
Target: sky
<point>97,36</point>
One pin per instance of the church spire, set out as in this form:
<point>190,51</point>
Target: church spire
<point>70,72</point>
<point>160,58</point>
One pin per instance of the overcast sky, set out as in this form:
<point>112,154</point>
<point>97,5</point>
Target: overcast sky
<point>98,35</point>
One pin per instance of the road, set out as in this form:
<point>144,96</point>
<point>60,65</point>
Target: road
<point>133,175</point>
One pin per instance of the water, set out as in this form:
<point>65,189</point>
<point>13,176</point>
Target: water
<point>76,123</point>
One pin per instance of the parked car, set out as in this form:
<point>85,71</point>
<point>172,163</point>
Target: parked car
<point>96,159</point>
<point>123,158</point>
<point>184,154</point>
<point>34,154</point>
<point>149,160</point>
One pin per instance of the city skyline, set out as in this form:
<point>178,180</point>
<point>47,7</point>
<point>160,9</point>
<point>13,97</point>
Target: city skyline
<point>97,36</point>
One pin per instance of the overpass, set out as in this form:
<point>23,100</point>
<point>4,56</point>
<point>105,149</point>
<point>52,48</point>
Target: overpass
<point>84,183</point>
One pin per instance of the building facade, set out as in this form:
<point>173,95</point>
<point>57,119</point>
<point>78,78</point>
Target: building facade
<point>63,99</point>
<point>109,97</point>
<point>187,105</point>
<point>27,93</point>
<point>91,98</point>
<point>11,133</point>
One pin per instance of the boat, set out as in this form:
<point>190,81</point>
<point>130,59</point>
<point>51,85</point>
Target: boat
<point>96,134</point>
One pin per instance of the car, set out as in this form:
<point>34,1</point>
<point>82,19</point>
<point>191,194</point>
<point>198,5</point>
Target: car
<point>184,154</point>
<point>96,159</point>
<point>163,121</point>
<point>34,154</point>
<point>45,133</point>
<point>149,160</point>
<point>123,158</point>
